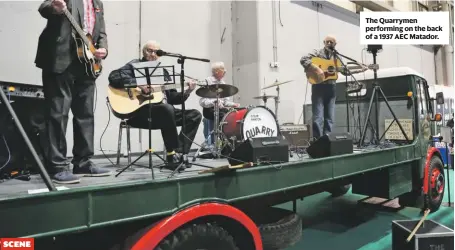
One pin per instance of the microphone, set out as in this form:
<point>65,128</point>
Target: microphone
<point>161,52</point>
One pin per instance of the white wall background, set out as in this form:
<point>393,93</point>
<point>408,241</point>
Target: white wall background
<point>195,28</point>
<point>303,28</point>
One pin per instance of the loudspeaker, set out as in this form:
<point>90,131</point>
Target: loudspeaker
<point>331,144</point>
<point>13,148</point>
<point>272,150</point>
<point>374,47</point>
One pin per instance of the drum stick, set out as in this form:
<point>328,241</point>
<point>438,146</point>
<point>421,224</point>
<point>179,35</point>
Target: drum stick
<point>243,165</point>
<point>226,167</point>
<point>418,225</point>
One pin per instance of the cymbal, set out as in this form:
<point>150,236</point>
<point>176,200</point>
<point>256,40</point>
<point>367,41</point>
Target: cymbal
<point>211,91</point>
<point>277,83</point>
<point>264,96</point>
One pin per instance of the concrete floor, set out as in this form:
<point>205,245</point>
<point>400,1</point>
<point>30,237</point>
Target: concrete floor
<point>343,224</point>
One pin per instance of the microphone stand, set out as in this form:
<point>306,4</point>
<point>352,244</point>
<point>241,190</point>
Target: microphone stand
<point>375,98</point>
<point>181,60</point>
<point>337,56</point>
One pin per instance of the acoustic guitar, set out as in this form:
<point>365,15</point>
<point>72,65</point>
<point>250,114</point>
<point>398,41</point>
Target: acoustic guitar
<point>125,102</point>
<point>84,48</point>
<point>330,67</point>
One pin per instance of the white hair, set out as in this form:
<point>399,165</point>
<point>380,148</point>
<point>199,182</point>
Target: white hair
<point>147,44</point>
<point>217,65</point>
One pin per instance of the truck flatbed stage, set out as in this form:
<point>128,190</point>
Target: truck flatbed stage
<point>134,194</point>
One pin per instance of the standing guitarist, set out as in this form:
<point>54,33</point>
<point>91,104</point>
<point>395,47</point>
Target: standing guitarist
<point>67,85</point>
<point>323,94</point>
<point>164,115</point>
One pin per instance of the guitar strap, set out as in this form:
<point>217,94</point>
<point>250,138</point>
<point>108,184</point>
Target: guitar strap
<point>74,12</point>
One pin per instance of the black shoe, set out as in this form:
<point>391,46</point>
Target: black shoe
<point>187,164</point>
<point>90,170</point>
<point>173,161</point>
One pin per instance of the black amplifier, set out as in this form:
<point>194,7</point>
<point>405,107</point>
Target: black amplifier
<point>12,89</point>
<point>331,144</point>
<point>27,102</point>
<point>297,135</point>
<point>273,150</point>
<point>431,235</point>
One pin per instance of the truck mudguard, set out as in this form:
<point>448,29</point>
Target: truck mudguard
<point>431,151</point>
<point>161,230</point>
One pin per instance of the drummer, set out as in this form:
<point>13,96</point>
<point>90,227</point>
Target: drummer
<point>208,104</point>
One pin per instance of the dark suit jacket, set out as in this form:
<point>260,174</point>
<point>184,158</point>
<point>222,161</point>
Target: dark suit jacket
<point>125,76</point>
<point>56,48</point>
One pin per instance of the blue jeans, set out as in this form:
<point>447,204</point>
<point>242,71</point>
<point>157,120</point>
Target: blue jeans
<point>323,108</point>
<point>208,127</point>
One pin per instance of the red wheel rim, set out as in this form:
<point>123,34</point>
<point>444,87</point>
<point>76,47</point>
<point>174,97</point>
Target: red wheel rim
<point>437,184</point>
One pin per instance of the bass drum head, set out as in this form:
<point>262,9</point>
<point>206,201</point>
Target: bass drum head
<point>259,122</point>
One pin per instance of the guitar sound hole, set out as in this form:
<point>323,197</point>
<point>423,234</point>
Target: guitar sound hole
<point>331,70</point>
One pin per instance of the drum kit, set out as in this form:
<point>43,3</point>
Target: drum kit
<point>239,124</point>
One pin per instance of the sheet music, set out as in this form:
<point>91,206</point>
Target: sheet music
<point>156,74</point>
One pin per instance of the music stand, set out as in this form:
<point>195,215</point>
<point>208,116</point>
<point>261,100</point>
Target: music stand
<point>446,137</point>
<point>144,72</point>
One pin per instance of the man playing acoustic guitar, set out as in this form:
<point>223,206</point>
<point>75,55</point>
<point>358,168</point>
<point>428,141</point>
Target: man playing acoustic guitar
<point>323,90</point>
<point>164,115</point>
<point>67,83</point>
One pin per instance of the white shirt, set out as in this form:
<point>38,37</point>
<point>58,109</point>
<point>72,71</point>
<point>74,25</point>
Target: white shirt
<point>209,102</point>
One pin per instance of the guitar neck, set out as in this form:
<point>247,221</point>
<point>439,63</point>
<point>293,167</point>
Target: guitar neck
<point>78,29</point>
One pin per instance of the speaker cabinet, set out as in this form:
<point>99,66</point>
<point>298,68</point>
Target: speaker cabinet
<point>272,150</point>
<point>331,144</point>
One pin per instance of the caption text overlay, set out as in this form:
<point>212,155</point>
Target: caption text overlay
<point>399,28</point>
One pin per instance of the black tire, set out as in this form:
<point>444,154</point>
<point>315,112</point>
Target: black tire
<point>279,228</point>
<point>339,191</point>
<point>436,185</point>
<point>200,236</point>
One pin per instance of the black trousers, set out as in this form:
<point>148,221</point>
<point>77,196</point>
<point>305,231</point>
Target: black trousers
<point>167,118</point>
<point>209,113</point>
<point>74,90</point>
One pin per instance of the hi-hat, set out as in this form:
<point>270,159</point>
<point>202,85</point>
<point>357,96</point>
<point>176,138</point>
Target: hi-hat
<point>211,91</point>
<point>276,83</point>
<point>264,97</point>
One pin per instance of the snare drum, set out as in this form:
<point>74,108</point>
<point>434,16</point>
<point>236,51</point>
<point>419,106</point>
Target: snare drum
<point>251,122</point>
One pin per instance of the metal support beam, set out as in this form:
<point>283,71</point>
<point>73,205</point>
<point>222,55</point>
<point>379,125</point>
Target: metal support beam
<point>375,5</point>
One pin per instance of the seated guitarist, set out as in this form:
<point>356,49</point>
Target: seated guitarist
<point>323,94</point>
<point>164,115</point>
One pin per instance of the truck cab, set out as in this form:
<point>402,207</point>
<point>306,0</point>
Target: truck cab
<point>408,95</point>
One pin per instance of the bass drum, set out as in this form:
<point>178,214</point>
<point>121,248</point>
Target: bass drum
<point>252,122</point>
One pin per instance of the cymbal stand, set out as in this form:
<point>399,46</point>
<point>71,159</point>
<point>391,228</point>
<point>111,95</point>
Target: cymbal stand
<point>277,100</point>
<point>217,125</point>
<point>216,152</point>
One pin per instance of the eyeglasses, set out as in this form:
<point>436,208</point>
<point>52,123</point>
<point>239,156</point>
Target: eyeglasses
<point>151,51</point>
